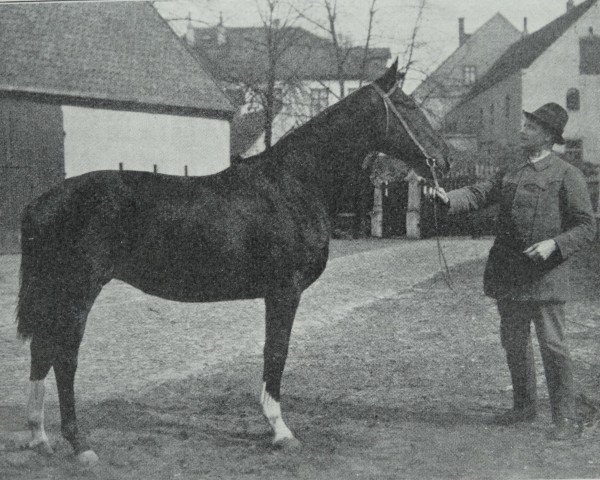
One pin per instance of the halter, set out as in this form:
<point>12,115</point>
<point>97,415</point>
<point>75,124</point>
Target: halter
<point>431,163</point>
<point>389,105</point>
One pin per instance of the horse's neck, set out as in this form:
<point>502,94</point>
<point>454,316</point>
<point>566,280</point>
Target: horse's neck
<point>313,153</point>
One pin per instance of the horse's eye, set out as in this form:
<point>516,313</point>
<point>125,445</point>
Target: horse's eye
<point>407,102</point>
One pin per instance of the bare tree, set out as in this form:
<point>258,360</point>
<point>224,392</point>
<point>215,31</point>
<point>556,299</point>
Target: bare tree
<point>279,38</point>
<point>365,59</point>
<point>341,47</point>
<point>413,43</point>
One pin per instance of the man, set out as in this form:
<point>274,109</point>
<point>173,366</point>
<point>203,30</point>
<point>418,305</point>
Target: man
<point>545,216</point>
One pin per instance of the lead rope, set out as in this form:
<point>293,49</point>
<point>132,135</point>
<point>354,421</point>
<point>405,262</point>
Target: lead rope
<point>441,257</point>
<point>389,105</point>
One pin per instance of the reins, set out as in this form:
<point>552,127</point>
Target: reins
<point>431,164</point>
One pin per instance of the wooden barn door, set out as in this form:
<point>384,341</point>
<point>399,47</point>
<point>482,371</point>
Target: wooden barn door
<point>31,160</point>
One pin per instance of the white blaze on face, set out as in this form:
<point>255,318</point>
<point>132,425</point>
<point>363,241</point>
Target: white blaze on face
<point>272,411</point>
<point>35,413</point>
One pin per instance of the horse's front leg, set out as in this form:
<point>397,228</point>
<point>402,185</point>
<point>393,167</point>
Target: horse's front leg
<point>281,308</point>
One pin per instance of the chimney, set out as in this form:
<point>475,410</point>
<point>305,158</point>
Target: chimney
<point>461,31</point>
<point>570,5</point>
<point>221,31</point>
<point>525,31</point>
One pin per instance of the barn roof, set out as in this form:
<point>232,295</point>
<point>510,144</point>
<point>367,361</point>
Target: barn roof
<point>109,52</point>
<point>302,55</point>
<point>522,54</point>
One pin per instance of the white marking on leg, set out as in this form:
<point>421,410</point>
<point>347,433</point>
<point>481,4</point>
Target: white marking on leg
<point>272,410</point>
<point>35,415</point>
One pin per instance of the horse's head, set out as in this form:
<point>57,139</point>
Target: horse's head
<point>403,131</point>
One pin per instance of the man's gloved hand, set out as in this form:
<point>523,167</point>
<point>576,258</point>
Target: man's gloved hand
<point>433,193</point>
<point>540,251</point>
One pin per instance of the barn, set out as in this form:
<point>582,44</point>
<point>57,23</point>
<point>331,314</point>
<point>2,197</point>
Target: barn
<point>99,85</point>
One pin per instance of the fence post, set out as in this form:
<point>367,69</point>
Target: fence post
<point>413,207</point>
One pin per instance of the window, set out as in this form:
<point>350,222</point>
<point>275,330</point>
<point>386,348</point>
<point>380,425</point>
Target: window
<point>278,92</point>
<point>507,107</point>
<point>492,115</point>
<point>470,74</point>
<point>573,102</point>
<point>319,100</point>
<point>574,152</point>
<point>589,55</point>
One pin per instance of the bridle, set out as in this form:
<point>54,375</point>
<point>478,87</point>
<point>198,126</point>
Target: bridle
<point>389,106</point>
<point>431,163</point>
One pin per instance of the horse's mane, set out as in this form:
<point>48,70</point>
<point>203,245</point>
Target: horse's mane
<point>309,126</point>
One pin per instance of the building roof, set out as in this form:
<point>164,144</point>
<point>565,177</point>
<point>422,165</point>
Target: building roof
<point>523,53</point>
<point>445,76</point>
<point>242,55</point>
<point>108,52</point>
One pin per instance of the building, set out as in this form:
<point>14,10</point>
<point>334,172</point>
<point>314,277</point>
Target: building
<point>304,75</point>
<point>99,85</point>
<point>453,78</point>
<point>558,63</point>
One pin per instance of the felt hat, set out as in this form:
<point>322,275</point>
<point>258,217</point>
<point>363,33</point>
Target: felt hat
<point>553,118</point>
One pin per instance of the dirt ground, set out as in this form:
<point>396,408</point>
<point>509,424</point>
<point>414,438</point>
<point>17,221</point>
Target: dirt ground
<point>391,375</point>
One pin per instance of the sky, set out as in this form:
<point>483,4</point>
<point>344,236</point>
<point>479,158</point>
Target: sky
<point>394,21</point>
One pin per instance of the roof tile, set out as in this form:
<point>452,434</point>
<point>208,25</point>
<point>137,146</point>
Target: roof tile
<point>120,52</point>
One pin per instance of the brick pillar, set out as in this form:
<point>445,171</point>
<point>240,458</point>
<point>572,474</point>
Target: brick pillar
<point>413,209</point>
<point>377,213</point>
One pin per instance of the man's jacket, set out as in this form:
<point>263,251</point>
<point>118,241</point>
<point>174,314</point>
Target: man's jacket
<point>538,201</point>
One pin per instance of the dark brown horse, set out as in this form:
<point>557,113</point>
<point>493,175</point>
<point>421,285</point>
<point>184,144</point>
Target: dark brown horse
<point>255,230</point>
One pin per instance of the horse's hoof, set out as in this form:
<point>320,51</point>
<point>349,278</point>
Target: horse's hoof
<point>87,458</point>
<point>43,448</point>
<point>289,444</point>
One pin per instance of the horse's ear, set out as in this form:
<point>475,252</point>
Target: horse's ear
<point>390,77</point>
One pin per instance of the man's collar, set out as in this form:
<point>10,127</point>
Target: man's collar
<point>540,163</point>
<point>542,155</point>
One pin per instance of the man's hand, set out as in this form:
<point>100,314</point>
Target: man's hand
<point>540,251</point>
<point>433,193</point>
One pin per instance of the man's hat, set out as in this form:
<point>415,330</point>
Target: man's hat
<point>553,118</point>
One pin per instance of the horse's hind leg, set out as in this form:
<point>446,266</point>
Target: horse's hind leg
<point>281,308</point>
<point>41,362</point>
<point>65,366</point>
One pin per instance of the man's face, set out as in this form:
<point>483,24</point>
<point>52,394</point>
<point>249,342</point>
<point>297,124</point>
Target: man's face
<point>534,136</point>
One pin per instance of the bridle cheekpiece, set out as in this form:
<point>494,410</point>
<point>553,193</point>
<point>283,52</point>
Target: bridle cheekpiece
<point>389,106</point>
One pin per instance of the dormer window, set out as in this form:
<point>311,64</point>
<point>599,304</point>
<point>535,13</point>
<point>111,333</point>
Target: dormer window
<point>319,100</point>
<point>589,54</point>
<point>470,74</point>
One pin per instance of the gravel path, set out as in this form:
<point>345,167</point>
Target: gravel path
<point>134,341</point>
<point>390,375</point>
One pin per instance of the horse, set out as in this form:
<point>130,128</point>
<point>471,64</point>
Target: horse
<point>258,229</point>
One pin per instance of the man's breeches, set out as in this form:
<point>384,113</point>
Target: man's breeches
<point>549,321</point>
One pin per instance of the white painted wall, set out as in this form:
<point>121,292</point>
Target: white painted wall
<point>557,70</point>
<point>98,139</point>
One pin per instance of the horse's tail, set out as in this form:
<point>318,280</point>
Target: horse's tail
<point>42,276</point>
<point>60,233</point>
<point>31,291</point>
